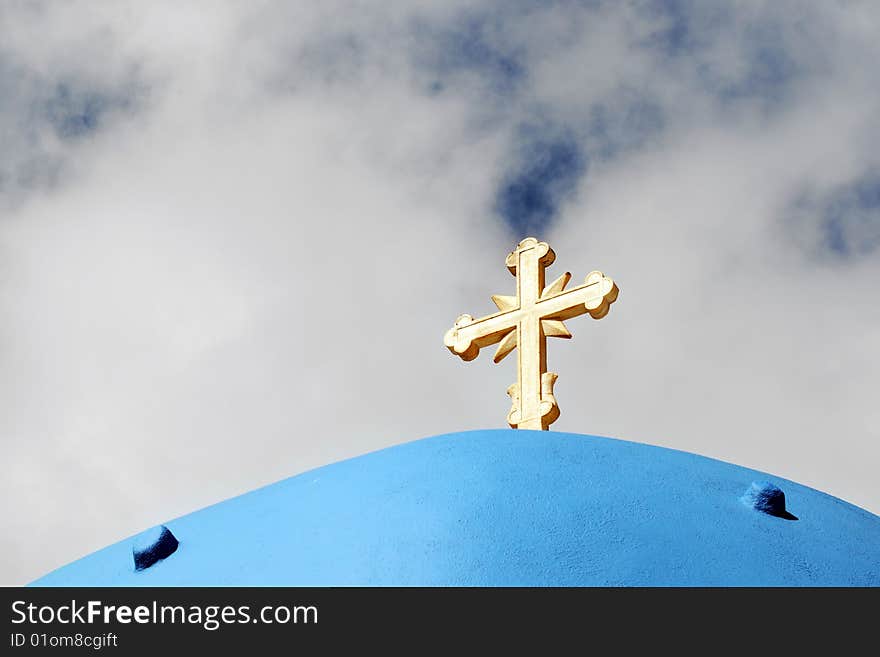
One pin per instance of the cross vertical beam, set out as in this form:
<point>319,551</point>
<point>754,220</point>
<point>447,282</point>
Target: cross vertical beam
<point>532,351</point>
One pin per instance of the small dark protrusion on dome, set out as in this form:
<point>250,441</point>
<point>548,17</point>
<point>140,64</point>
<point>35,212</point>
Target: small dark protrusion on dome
<point>153,545</point>
<point>767,498</point>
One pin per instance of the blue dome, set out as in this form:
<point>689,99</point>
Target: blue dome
<point>505,507</point>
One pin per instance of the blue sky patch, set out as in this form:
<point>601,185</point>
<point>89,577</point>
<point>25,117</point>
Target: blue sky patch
<point>76,113</point>
<point>547,167</point>
<point>769,69</point>
<point>469,45</point>
<point>851,217</point>
<point>760,67</point>
<point>39,113</point>
<point>844,221</point>
<point>684,27</point>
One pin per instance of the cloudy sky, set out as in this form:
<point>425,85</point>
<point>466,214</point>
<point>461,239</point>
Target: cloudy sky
<point>232,236</point>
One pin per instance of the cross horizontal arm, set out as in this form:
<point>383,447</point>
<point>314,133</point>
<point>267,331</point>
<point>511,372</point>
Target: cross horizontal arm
<point>594,297</point>
<point>468,335</point>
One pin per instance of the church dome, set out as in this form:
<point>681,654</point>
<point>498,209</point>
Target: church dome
<point>507,507</point>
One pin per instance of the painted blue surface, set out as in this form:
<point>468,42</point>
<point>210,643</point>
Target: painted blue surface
<point>504,507</point>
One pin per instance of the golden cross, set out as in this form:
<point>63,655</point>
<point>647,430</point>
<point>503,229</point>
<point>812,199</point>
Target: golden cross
<point>526,321</point>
